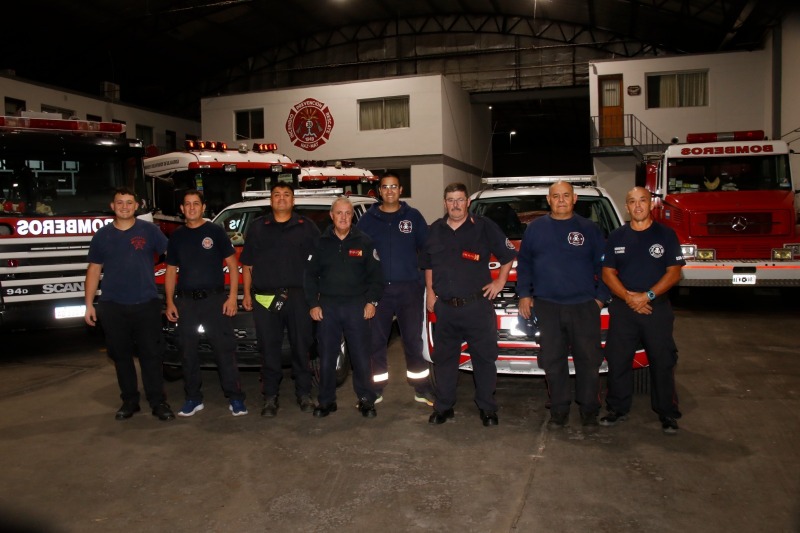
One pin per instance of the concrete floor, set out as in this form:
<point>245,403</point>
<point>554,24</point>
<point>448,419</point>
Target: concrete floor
<point>68,466</point>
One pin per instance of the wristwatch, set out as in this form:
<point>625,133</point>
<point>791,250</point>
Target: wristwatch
<point>374,304</point>
<point>651,295</point>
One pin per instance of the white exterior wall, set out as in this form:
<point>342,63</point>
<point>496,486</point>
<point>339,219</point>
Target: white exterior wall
<point>35,96</point>
<point>740,98</point>
<point>739,87</point>
<point>446,133</point>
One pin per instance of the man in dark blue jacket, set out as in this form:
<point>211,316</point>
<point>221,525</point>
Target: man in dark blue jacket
<point>399,232</point>
<point>343,284</point>
<point>559,274</point>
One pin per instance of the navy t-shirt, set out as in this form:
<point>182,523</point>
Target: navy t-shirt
<point>128,257</point>
<point>641,258</point>
<point>199,254</point>
<point>560,261</point>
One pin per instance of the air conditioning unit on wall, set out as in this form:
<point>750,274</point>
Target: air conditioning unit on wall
<point>111,91</point>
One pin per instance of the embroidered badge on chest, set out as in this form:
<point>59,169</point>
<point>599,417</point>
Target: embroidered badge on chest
<point>575,238</point>
<point>355,253</point>
<point>208,243</point>
<point>405,226</point>
<point>470,256</point>
<point>657,250</point>
<point>138,243</point>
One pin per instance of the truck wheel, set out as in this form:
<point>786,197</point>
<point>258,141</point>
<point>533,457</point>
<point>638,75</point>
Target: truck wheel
<point>641,380</point>
<point>342,365</point>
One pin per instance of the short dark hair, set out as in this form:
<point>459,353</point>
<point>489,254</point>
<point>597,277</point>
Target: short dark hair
<point>282,185</point>
<point>194,192</point>
<point>389,175</point>
<point>125,191</point>
<point>454,187</point>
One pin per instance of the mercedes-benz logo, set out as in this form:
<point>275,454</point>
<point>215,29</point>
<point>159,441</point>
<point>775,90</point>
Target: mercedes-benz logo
<point>738,223</point>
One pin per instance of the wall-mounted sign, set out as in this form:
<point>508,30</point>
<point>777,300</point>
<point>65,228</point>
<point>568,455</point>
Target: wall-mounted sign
<point>309,124</point>
<point>634,90</point>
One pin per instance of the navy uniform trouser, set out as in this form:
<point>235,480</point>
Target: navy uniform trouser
<point>626,330</point>
<point>565,329</point>
<point>476,324</point>
<point>293,318</point>
<point>404,300</point>
<point>344,319</point>
<point>132,330</point>
<point>219,332</point>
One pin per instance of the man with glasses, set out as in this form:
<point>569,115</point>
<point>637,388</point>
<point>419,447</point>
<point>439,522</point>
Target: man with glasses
<point>399,232</point>
<point>460,290</point>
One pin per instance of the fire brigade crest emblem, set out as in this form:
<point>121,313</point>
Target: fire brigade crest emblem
<point>138,243</point>
<point>405,226</point>
<point>208,243</point>
<point>309,124</point>
<point>575,238</point>
<point>657,250</point>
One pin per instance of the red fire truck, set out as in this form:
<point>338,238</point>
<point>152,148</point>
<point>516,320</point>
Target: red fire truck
<point>222,174</point>
<point>729,197</point>
<point>57,179</point>
<point>342,174</point>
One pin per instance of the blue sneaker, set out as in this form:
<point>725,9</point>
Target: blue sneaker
<point>237,408</point>
<point>190,407</point>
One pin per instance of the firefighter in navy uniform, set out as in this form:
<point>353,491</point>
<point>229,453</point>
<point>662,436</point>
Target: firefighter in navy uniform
<point>275,252</point>
<point>558,280</point>
<point>399,232</point>
<point>643,260</point>
<point>343,284</point>
<point>460,290</point>
<point>198,249</point>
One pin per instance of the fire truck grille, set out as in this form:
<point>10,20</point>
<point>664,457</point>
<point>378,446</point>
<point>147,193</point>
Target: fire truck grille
<point>739,224</point>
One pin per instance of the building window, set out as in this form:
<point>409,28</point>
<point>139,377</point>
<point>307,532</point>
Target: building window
<point>145,134</point>
<point>677,89</point>
<point>94,118</point>
<point>383,113</point>
<point>14,107</point>
<point>65,113</point>
<point>170,141</point>
<point>250,124</point>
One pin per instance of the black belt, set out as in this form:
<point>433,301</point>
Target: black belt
<point>198,294</point>
<point>460,302</point>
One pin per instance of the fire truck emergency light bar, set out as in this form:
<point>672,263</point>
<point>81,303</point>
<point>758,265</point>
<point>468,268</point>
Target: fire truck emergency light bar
<point>255,195</point>
<point>51,124</point>
<point>342,163</point>
<point>541,180</point>
<point>749,135</point>
<point>213,146</point>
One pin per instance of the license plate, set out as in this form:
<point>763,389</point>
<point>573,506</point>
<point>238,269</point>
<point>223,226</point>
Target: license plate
<point>70,311</point>
<point>511,324</point>
<point>744,279</point>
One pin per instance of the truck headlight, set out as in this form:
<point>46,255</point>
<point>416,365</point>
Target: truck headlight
<point>706,254</point>
<point>689,251</point>
<point>781,254</point>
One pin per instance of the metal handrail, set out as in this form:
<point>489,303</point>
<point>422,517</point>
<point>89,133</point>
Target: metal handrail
<point>624,131</point>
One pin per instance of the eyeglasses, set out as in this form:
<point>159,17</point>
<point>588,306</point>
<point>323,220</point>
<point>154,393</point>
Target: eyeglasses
<point>392,187</point>
<point>455,200</point>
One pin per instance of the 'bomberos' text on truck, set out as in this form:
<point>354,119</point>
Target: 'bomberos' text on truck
<point>57,180</point>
